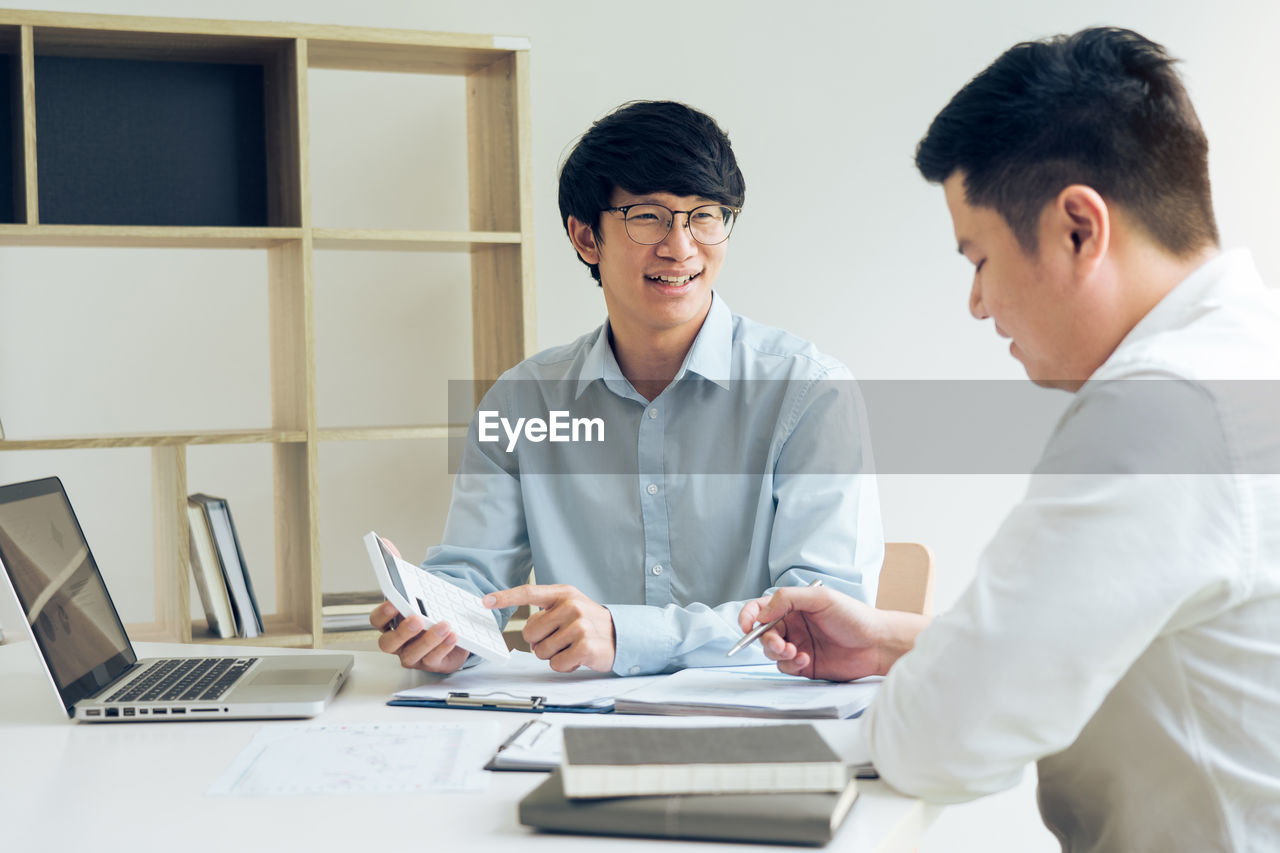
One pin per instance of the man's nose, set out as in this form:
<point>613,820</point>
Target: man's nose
<point>976,308</point>
<point>679,241</point>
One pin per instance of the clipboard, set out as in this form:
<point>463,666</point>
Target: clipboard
<point>500,702</point>
<point>524,684</point>
<point>534,747</point>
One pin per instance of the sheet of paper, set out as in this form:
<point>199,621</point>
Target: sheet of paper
<point>760,686</point>
<point>524,675</point>
<point>374,758</point>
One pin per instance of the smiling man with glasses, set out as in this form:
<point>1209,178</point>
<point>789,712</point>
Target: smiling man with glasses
<point>734,457</point>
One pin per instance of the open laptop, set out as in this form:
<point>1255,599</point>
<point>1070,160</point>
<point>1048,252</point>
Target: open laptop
<point>49,568</point>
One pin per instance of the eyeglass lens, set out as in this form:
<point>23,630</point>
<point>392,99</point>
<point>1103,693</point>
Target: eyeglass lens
<point>650,223</point>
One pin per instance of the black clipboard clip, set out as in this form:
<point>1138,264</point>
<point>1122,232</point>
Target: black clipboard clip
<point>496,701</point>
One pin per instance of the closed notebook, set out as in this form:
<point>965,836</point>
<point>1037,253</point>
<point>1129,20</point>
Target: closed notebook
<point>789,818</point>
<point>639,761</point>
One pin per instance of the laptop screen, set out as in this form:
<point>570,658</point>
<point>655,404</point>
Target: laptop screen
<point>60,589</point>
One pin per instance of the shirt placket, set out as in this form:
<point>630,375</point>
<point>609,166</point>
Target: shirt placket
<point>653,507</point>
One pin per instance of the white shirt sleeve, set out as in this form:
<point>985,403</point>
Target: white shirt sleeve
<point>1114,544</point>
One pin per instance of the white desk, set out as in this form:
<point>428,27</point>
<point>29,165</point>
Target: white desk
<point>68,785</point>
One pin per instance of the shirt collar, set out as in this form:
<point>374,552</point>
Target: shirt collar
<point>710,356</point>
<point>599,362</point>
<point>1231,268</point>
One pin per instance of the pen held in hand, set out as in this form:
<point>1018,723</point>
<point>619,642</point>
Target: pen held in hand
<point>759,631</point>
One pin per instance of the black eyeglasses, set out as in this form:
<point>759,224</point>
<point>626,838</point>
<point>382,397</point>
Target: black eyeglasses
<point>648,224</point>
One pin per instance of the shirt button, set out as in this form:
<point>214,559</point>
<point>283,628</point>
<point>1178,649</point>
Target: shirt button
<point>652,489</point>
<point>657,570</point>
<point>653,413</point>
<point>634,670</point>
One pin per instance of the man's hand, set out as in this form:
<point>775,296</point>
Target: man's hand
<point>826,634</point>
<point>570,630</point>
<point>434,649</point>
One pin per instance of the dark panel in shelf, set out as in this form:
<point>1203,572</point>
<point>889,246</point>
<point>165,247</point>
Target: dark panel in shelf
<point>133,142</point>
<point>10,140</point>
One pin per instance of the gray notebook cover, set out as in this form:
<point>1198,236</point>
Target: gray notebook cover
<point>810,819</point>
<point>632,746</point>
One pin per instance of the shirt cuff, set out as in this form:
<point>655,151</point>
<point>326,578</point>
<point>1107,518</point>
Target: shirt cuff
<point>641,645</point>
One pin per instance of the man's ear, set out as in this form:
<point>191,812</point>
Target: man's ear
<point>1082,225</point>
<point>583,237</point>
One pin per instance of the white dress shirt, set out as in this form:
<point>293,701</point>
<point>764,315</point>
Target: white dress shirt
<point>751,470</point>
<point>1123,626</point>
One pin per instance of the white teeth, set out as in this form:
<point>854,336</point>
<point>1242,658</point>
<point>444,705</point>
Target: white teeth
<point>670,279</point>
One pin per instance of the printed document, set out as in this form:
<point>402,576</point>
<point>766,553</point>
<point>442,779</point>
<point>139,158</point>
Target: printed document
<point>373,758</point>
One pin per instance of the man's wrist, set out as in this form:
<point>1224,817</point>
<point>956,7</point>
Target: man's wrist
<point>895,635</point>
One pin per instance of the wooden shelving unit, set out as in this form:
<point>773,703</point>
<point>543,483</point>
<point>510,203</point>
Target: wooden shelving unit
<point>261,71</point>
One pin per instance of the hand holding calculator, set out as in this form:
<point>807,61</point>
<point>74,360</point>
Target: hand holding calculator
<point>416,592</point>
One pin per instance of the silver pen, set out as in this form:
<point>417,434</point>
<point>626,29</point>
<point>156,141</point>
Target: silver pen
<point>759,631</point>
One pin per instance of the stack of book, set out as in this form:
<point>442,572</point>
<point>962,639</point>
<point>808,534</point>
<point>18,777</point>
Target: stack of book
<point>774,784</point>
<point>348,611</point>
<point>220,573</point>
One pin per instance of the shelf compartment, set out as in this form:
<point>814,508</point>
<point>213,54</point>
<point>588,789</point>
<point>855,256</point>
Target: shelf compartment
<point>279,633</point>
<point>388,151</point>
<point>146,237</point>
<point>164,129</point>
<point>400,489</point>
<point>174,439</point>
<point>382,355</point>
<point>404,240</point>
<point>12,192</point>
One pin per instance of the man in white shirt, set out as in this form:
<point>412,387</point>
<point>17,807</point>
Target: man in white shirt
<point>1123,626</point>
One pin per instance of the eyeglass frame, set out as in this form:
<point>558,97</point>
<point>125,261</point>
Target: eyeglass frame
<point>688,218</point>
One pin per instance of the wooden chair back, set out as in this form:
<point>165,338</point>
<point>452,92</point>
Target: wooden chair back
<point>906,578</point>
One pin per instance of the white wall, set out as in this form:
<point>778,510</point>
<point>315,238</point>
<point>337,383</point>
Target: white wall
<point>841,243</point>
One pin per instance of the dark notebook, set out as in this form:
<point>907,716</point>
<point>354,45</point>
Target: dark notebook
<point>794,818</point>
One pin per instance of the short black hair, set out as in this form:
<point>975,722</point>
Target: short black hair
<point>647,147</point>
<point>1103,107</point>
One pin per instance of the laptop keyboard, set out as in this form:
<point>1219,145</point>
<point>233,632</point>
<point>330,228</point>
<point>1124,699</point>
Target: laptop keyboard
<point>184,679</point>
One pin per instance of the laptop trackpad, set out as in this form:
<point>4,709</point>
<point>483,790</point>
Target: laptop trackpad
<point>275,677</point>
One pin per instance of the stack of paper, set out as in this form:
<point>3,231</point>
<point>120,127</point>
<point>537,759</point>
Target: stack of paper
<point>748,691</point>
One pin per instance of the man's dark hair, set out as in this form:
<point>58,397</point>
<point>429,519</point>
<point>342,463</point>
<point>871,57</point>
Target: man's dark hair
<point>1103,107</point>
<point>647,147</point>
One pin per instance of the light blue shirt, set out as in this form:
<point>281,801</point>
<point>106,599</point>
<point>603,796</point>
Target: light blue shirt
<point>751,470</point>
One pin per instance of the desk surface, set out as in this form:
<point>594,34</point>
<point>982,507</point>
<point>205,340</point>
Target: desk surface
<point>68,784</point>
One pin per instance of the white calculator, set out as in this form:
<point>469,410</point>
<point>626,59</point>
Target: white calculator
<point>415,591</point>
